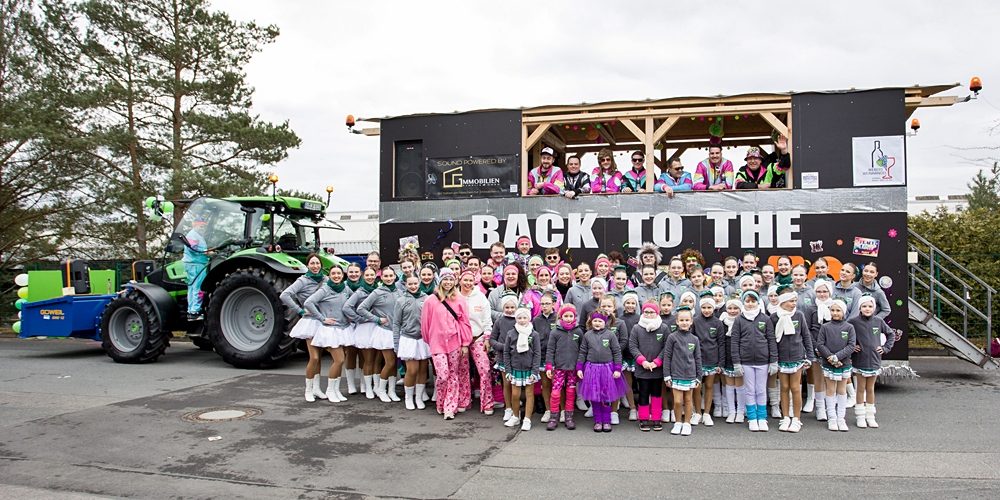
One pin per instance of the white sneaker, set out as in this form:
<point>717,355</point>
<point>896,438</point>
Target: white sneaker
<point>562,417</point>
<point>740,416</point>
<point>832,425</point>
<point>717,411</point>
<point>706,420</point>
<point>686,430</point>
<point>545,417</point>
<point>754,427</point>
<point>842,425</point>
<point>775,411</point>
<point>488,412</point>
<point>512,422</point>
<point>695,419</point>
<point>581,405</point>
<point>678,427</point>
<point>795,426</point>
<point>508,414</point>
<point>870,416</point>
<point>590,412</point>
<point>808,405</point>
<point>633,415</point>
<point>762,425</point>
<point>614,418</point>
<point>731,418</point>
<point>785,423</point>
<point>624,401</point>
<point>526,425</point>
<point>665,418</point>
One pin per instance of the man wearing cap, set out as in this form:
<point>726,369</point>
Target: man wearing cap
<point>195,259</point>
<point>545,178</point>
<point>714,173</point>
<point>777,163</point>
<point>751,175</point>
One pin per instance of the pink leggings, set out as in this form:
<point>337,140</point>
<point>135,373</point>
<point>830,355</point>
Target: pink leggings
<point>560,379</point>
<point>478,351</point>
<point>447,368</point>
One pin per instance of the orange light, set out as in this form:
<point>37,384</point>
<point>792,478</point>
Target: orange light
<point>915,124</point>
<point>350,120</point>
<point>329,189</point>
<point>273,178</point>
<point>975,84</point>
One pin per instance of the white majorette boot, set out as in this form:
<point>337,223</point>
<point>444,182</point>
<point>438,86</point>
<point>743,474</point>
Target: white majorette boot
<point>870,416</point>
<point>717,402</point>
<point>331,393</point>
<point>380,390</point>
<point>859,416</point>
<point>391,389</point>
<point>336,388</point>
<point>831,413</point>
<point>316,388</point>
<point>852,394</point>
<point>773,394</point>
<point>352,388</point>
<point>310,397</point>
<point>369,382</point>
<point>842,413</point>
<point>821,402</point>
<point>810,402</point>
<point>408,396</point>
<point>418,396</point>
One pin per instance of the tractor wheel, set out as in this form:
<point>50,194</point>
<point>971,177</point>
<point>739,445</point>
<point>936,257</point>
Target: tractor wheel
<point>131,331</point>
<point>246,319</point>
<point>202,343</point>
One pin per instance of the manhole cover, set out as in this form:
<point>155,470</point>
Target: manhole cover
<point>221,414</point>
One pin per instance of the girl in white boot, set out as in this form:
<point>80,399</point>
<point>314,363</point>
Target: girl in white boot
<point>294,298</point>
<point>836,344</point>
<point>875,338</point>
<point>410,345</point>
<point>378,308</point>
<point>327,304</point>
<point>363,330</point>
<point>822,300</point>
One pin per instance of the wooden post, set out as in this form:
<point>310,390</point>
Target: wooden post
<point>524,159</point>
<point>649,155</point>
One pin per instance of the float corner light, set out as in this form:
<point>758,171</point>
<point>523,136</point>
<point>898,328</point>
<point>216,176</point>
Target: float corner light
<point>329,189</point>
<point>975,85</point>
<point>350,121</point>
<point>273,178</point>
<point>915,125</point>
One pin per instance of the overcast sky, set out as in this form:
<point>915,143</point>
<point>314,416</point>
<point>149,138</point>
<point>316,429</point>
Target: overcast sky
<point>373,58</point>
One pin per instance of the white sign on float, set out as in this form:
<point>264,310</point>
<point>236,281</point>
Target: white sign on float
<point>765,229</point>
<point>879,160</point>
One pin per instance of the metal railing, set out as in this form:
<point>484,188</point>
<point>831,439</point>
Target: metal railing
<point>951,292</point>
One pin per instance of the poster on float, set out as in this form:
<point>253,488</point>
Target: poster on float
<point>879,160</point>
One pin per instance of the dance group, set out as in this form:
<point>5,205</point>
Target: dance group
<point>682,344</point>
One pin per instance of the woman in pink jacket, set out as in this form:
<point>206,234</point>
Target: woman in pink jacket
<point>605,178</point>
<point>444,322</point>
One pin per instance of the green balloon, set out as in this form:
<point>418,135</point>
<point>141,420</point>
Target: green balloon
<point>167,207</point>
<point>150,201</point>
<point>17,327</point>
<point>19,303</point>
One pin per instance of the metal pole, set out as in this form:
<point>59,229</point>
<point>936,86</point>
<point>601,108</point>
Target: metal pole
<point>989,321</point>
<point>965,309</point>
<point>930,286</point>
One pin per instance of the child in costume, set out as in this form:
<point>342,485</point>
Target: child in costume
<point>711,334</point>
<point>835,344</point>
<point>522,357</point>
<point>682,369</point>
<point>755,355</point>
<point>599,367</point>
<point>735,409</point>
<point>646,343</point>
<point>874,339</point>
<point>795,352</point>
<point>560,365</point>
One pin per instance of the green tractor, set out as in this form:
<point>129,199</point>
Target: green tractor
<point>258,246</point>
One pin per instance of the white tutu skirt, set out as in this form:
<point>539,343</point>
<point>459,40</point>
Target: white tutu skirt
<point>363,335</point>
<point>305,328</point>
<point>413,349</point>
<point>333,336</point>
<point>382,339</point>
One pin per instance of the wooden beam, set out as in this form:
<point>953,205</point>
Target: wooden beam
<point>632,127</point>
<point>536,134</point>
<point>524,159</point>
<point>671,102</point>
<point>371,131</point>
<point>681,144</point>
<point>664,127</point>
<point>930,102</point>
<point>650,154</point>
<point>554,141</point>
<point>775,122</point>
<point>660,113</point>
<point>677,154</point>
<point>607,136</point>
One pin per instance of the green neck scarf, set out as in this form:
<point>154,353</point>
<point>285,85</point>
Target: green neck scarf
<point>353,285</point>
<point>337,287</point>
<point>317,277</point>
<point>362,284</point>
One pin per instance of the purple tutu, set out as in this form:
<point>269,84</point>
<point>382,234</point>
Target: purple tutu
<point>599,384</point>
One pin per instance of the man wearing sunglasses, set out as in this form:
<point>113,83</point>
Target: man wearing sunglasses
<point>674,179</point>
<point>634,181</point>
<point>464,252</point>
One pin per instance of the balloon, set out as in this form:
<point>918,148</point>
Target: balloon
<point>16,327</point>
<point>167,207</point>
<point>19,303</point>
<point>149,201</point>
<point>592,134</point>
<point>22,292</point>
<point>21,279</point>
<point>19,315</point>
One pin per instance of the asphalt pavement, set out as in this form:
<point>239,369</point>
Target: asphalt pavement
<point>76,425</point>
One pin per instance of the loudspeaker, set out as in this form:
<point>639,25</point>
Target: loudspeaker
<point>141,269</point>
<point>76,274</point>
<point>409,177</point>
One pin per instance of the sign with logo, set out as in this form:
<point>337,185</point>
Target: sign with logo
<point>472,176</point>
<point>879,161</point>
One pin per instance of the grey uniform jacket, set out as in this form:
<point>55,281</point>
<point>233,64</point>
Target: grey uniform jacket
<point>882,307</point>
<point>498,337</point>
<point>625,324</point>
<point>351,307</point>
<point>294,297</point>
<point>406,318</point>
<point>836,337</point>
<point>379,304</point>
<point>578,294</point>
<point>711,334</point>
<point>752,342</point>
<point>649,293</point>
<point>675,287</point>
<point>527,360</point>
<point>798,347</point>
<point>868,334</point>
<point>850,296</point>
<point>543,325</point>
<point>584,309</point>
<point>563,348</point>
<point>494,298</point>
<point>682,356</point>
<point>600,347</point>
<point>327,303</point>
<point>648,345</point>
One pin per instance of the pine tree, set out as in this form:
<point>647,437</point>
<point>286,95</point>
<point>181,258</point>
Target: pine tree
<point>984,190</point>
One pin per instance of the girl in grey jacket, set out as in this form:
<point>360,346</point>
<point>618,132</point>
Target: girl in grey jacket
<point>522,357</point>
<point>846,289</point>
<point>755,355</point>
<point>363,330</point>
<point>378,308</point>
<point>646,341</point>
<point>835,344</point>
<point>560,364</point>
<point>599,365</point>
<point>409,343</point>
<point>327,306</point>
<point>682,369</point>
<point>874,339</point>
<point>795,352</point>
<point>294,298</point>
<point>868,285</point>
<point>711,334</point>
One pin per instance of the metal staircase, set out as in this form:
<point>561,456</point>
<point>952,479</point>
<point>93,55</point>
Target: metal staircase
<point>948,302</point>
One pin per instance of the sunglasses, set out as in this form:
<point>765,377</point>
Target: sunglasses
<point>552,257</point>
<point>465,254</point>
<point>602,160</point>
<point>637,160</point>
